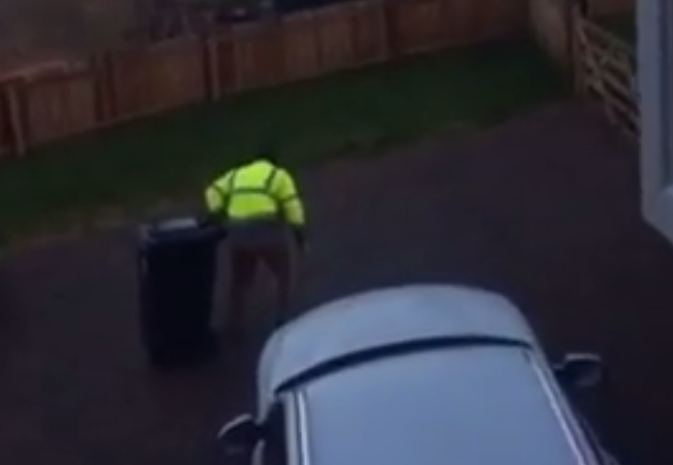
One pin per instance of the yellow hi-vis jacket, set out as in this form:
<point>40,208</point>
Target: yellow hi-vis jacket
<point>259,190</point>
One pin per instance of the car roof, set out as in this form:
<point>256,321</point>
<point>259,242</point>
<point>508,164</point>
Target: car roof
<point>477,405</point>
<point>386,317</point>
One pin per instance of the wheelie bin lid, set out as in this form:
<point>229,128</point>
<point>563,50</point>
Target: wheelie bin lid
<point>180,229</point>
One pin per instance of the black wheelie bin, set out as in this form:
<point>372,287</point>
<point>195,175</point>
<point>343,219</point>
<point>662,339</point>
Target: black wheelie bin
<point>177,267</point>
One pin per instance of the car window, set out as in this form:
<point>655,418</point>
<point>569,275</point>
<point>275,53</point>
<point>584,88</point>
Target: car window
<point>274,451</point>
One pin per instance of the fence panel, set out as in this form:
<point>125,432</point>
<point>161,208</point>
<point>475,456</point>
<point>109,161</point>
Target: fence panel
<point>464,21</point>
<point>55,107</point>
<point>335,36</point>
<point>224,57</point>
<point>158,77</point>
<point>432,24</point>
<point>179,73</point>
<point>300,46</point>
<point>132,90</point>
<point>258,55</point>
<point>495,18</point>
<point>419,25</point>
<point>370,33</point>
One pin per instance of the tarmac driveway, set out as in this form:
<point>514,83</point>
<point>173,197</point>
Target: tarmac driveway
<point>543,208</point>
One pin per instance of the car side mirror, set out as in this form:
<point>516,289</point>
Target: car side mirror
<point>580,371</point>
<point>239,436</point>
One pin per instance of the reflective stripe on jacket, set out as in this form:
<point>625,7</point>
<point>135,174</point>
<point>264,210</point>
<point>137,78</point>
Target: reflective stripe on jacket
<point>259,190</point>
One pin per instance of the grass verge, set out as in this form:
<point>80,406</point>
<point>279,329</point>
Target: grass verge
<point>127,167</point>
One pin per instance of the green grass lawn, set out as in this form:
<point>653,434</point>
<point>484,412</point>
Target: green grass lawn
<point>132,166</point>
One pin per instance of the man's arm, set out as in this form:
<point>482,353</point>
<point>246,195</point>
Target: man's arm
<point>216,197</point>
<point>291,204</point>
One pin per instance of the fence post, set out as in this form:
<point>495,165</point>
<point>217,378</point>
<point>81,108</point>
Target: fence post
<point>577,15</point>
<point>211,66</point>
<point>237,37</point>
<point>97,65</point>
<point>316,23</point>
<point>111,84</point>
<point>6,140</point>
<point>15,94</point>
<point>574,13</point>
<point>390,26</point>
<point>102,66</point>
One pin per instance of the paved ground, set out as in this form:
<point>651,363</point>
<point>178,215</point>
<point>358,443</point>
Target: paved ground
<point>544,208</point>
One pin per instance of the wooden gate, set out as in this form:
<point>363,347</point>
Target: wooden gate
<point>605,68</point>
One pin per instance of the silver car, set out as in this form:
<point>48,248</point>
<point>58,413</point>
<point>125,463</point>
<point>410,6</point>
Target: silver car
<point>421,374</point>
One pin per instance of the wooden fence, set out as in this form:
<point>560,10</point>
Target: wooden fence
<point>605,68</point>
<point>5,137</point>
<point>133,81</point>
